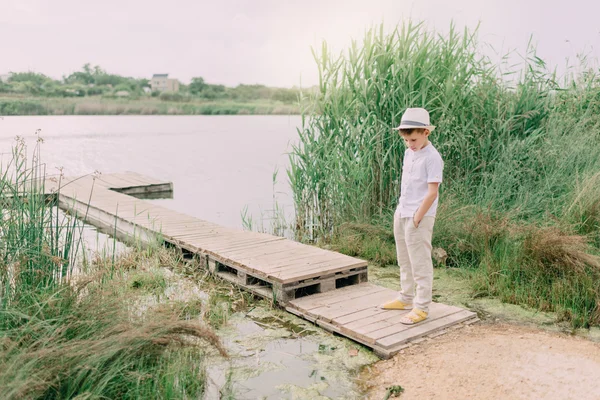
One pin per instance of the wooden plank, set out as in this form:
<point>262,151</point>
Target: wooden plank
<point>318,300</point>
<point>120,181</point>
<point>305,251</point>
<point>385,318</point>
<point>183,224</point>
<point>185,228</point>
<point>196,238</point>
<point>207,234</point>
<point>326,269</point>
<point>275,262</point>
<point>131,178</point>
<point>285,245</point>
<point>230,233</point>
<point>273,251</point>
<point>417,331</point>
<point>114,182</point>
<point>236,242</point>
<point>352,301</point>
<point>369,301</point>
<point>188,228</point>
<point>233,243</point>
<point>168,215</point>
<point>237,255</point>
<point>226,258</point>
<point>146,179</point>
<point>304,265</point>
<point>392,326</point>
<point>198,234</point>
<point>280,263</point>
<point>379,320</point>
<point>357,316</point>
<point>188,222</point>
<point>290,279</point>
<point>242,244</point>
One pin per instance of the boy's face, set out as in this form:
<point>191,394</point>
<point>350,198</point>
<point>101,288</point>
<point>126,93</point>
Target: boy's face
<point>417,139</point>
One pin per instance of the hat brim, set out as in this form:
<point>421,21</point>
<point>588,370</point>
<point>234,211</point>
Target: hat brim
<point>428,127</point>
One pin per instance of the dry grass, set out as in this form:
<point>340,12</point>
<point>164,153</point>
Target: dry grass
<point>90,338</point>
<point>557,252</point>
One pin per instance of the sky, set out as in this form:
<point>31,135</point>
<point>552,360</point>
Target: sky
<point>266,42</point>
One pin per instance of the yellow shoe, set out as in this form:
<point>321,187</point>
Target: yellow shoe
<point>396,305</point>
<point>414,317</point>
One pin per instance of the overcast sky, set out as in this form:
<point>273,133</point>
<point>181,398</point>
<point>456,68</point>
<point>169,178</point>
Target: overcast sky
<point>261,41</point>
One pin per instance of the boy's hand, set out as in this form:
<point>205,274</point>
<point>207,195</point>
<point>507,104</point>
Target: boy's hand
<point>432,193</point>
<point>416,222</point>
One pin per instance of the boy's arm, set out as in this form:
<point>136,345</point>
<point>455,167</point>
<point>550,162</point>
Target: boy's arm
<point>432,193</point>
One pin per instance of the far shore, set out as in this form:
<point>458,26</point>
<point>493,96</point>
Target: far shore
<point>99,105</point>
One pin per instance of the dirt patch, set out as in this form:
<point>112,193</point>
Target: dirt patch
<point>486,361</point>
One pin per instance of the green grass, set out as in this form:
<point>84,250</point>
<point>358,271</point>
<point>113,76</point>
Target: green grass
<point>97,105</point>
<point>519,203</point>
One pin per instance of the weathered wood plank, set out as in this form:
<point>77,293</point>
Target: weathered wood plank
<point>369,301</point>
<point>326,269</point>
<point>390,317</point>
<point>393,325</point>
<point>357,316</point>
<point>322,299</point>
<point>301,265</point>
<point>423,329</point>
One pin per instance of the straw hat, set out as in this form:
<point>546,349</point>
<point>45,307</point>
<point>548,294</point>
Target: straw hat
<point>415,118</point>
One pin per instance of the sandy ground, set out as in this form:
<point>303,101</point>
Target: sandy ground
<point>492,361</point>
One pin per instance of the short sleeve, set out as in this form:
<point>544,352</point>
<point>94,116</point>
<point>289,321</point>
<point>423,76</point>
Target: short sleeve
<point>435,169</point>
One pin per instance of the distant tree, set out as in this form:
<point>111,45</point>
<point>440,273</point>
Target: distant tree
<point>197,86</point>
<point>285,95</point>
<point>84,77</point>
<point>5,87</point>
<point>33,77</point>
<point>142,83</point>
<point>214,92</point>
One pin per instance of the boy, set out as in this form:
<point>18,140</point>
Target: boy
<point>414,218</point>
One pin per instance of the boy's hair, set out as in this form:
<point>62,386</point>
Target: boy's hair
<point>409,131</point>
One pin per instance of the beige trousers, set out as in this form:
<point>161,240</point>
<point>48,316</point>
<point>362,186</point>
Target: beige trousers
<point>413,249</point>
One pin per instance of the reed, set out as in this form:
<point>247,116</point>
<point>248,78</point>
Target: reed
<point>517,145</point>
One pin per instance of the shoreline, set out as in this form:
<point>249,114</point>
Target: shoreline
<point>50,106</point>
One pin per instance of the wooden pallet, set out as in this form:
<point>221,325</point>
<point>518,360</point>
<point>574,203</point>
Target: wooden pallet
<point>267,265</point>
<point>353,312</point>
<point>130,183</point>
<point>325,287</point>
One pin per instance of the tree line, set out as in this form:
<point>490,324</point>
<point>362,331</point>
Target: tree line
<point>94,81</point>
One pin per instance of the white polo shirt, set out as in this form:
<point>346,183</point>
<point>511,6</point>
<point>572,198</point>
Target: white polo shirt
<point>419,168</point>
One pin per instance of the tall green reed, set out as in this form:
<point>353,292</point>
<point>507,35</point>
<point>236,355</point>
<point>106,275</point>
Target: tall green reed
<point>518,148</point>
<point>348,160</point>
<point>36,250</point>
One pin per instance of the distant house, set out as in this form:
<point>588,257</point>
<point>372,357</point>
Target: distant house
<point>162,83</point>
<point>4,77</point>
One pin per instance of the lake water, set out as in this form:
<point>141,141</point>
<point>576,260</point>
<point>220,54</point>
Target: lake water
<point>219,165</point>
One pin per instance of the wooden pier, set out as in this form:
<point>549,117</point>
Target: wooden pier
<point>322,286</point>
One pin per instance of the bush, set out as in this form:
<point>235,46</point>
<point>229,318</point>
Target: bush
<point>21,107</point>
<point>168,96</point>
